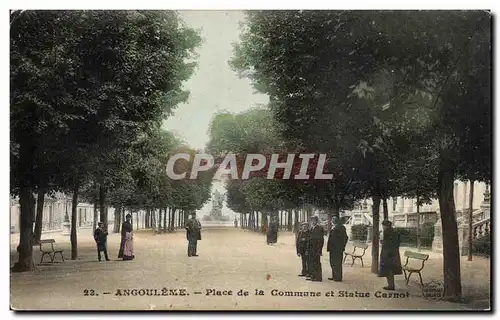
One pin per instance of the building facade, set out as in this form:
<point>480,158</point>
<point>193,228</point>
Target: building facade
<point>55,209</point>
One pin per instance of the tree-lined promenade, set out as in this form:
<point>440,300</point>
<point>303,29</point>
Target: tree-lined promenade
<point>399,102</point>
<point>89,92</point>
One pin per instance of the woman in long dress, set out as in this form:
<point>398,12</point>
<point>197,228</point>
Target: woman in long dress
<point>126,246</point>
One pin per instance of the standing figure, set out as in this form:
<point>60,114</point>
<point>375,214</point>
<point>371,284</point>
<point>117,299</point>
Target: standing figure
<point>126,245</point>
<point>316,242</point>
<point>235,223</point>
<point>193,234</point>
<point>390,261</point>
<point>101,237</point>
<point>272,230</point>
<point>337,241</point>
<point>301,245</point>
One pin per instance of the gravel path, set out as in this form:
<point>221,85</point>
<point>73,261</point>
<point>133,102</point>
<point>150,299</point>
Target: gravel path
<point>230,261</point>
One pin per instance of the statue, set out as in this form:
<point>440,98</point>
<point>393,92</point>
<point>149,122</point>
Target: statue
<point>217,204</point>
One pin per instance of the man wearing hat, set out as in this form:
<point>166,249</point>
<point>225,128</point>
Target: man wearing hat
<point>315,248</point>
<point>336,246</point>
<point>193,234</point>
<point>390,261</point>
<point>101,237</point>
<point>301,246</point>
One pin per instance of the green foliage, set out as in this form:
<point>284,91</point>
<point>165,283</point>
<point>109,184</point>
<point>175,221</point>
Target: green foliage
<point>359,232</point>
<point>408,236</point>
<point>482,245</point>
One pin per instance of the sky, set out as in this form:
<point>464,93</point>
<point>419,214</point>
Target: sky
<point>214,86</point>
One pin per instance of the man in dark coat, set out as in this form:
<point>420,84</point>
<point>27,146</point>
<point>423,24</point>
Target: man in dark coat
<point>337,241</point>
<point>316,242</point>
<point>272,230</point>
<point>301,246</point>
<point>390,261</point>
<point>193,234</point>
<point>101,238</point>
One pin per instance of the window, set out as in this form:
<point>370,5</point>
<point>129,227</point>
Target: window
<point>394,201</point>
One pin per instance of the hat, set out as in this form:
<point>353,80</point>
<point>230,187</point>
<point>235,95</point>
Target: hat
<point>387,223</point>
<point>128,215</point>
<point>100,223</point>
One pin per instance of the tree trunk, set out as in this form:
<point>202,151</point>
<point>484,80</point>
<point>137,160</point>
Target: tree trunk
<point>257,224</point>
<point>25,248</point>
<point>117,224</point>
<point>185,221</point>
<point>375,232</point>
<point>386,210</point>
<point>290,221</point>
<point>102,204</point>
<point>418,222</point>
<point>167,211</point>
<point>39,214</point>
<point>296,214</point>
<point>159,229</point>
<point>74,204</point>
<point>451,251</point>
<point>469,233</point>
<point>172,219</point>
<point>96,216</point>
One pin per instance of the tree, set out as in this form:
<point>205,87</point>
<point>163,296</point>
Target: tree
<point>93,80</point>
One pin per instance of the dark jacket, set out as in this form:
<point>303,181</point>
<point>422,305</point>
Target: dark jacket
<point>337,239</point>
<point>302,242</point>
<point>193,230</point>
<point>100,237</point>
<point>389,255</point>
<point>316,240</point>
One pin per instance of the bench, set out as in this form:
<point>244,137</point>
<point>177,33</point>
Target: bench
<point>410,269</point>
<point>47,248</point>
<point>358,252</point>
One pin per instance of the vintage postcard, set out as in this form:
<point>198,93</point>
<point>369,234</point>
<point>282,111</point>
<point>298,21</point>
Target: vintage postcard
<point>300,160</point>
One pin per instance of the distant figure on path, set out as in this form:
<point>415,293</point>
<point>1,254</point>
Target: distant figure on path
<point>337,241</point>
<point>390,261</point>
<point>272,230</point>
<point>316,242</point>
<point>101,237</point>
<point>126,246</point>
<point>301,245</point>
<point>193,234</point>
<point>235,223</point>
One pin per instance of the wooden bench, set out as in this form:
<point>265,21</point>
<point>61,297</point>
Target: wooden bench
<point>47,248</point>
<point>358,252</point>
<point>412,268</point>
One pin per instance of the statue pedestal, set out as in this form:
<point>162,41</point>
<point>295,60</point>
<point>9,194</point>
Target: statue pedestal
<point>437,243</point>
<point>66,230</point>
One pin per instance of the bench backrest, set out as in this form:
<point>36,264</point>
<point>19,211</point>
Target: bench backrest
<point>416,255</point>
<point>47,244</point>
<point>358,248</point>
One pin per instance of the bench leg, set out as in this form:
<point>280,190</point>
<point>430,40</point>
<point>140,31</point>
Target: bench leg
<point>409,275</point>
<point>43,255</point>
<point>404,273</point>
<point>62,257</point>
<point>353,259</point>
<point>52,257</point>
<point>345,257</point>
<point>362,262</point>
<point>421,282</point>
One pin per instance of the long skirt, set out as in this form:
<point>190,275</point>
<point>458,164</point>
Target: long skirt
<point>128,247</point>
